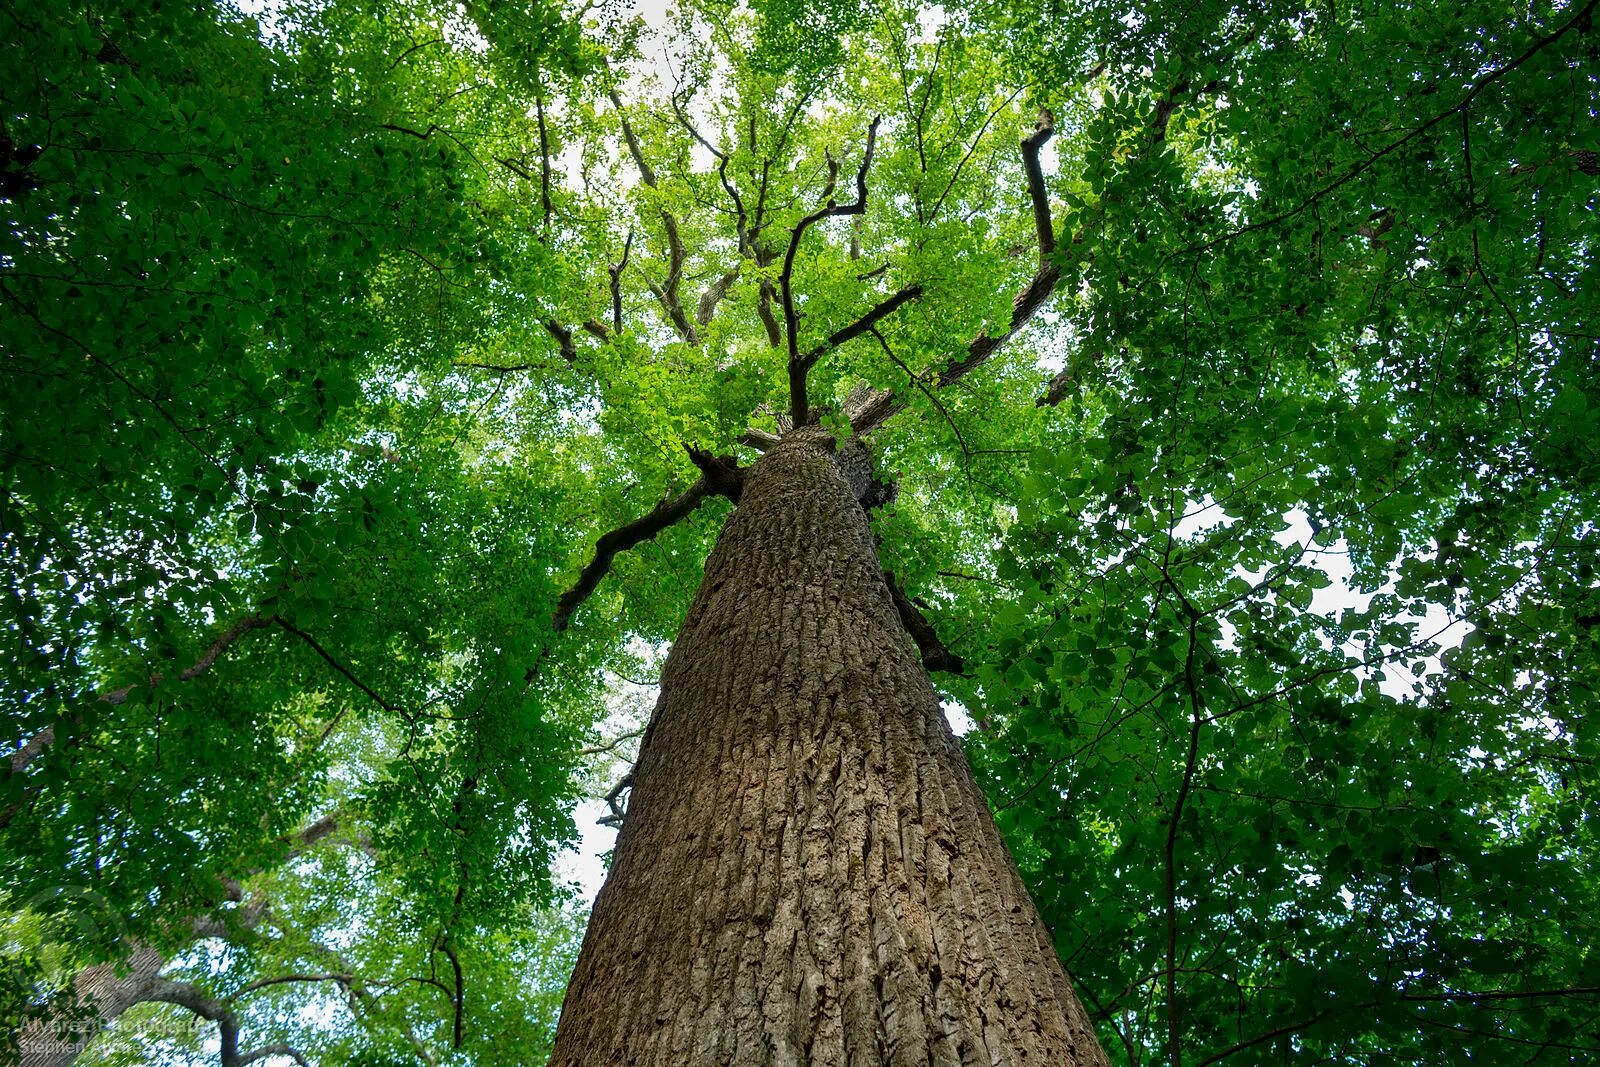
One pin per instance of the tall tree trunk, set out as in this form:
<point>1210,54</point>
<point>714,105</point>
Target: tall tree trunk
<point>807,873</point>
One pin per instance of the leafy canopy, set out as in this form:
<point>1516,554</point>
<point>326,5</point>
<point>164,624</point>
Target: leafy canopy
<point>335,334</point>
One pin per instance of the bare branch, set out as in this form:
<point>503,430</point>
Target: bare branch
<point>799,409</point>
<point>768,319</point>
<point>1037,194</point>
<point>544,159</point>
<point>613,801</point>
<point>713,296</point>
<point>285,979</point>
<point>760,440</point>
<point>719,476</point>
<point>459,997</point>
<point>798,370</point>
<point>563,338</point>
<point>867,323</point>
<point>615,270</point>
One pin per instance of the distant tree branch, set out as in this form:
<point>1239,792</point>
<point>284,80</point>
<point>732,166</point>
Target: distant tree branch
<point>719,476</point>
<point>607,747</point>
<point>615,271</point>
<point>666,292</point>
<point>1024,306</point>
<point>613,801</point>
<point>279,1049</point>
<point>1056,390</point>
<point>285,979</point>
<point>706,309</point>
<point>544,159</point>
<point>499,368</point>
<point>712,296</point>
<point>563,338</point>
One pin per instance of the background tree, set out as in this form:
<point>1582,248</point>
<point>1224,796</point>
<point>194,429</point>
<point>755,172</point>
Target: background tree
<point>336,339</point>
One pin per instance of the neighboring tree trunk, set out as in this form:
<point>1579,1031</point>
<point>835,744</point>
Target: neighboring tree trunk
<point>102,993</point>
<point>808,873</point>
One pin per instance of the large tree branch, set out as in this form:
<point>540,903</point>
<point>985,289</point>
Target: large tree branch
<point>563,338</point>
<point>865,324</point>
<point>712,296</point>
<point>799,368</point>
<point>1024,306</point>
<point>719,476</point>
<point>192,997</point>
<point>760,440</point>
<point>613,801</point>
<point>935,657</point>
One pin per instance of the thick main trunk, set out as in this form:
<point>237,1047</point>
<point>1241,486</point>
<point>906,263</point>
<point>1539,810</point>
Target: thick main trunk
<point>808,873</point>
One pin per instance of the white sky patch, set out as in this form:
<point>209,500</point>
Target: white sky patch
<point>958,717</point>
<point>583,867</point>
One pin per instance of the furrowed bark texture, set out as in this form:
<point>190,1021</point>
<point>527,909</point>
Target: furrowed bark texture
<point>807,873</point>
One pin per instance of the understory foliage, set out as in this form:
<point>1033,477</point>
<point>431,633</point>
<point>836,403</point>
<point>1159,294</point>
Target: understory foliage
<point>333,335</point>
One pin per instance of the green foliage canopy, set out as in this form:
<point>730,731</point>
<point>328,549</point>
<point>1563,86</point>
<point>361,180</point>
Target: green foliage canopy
<point>335,335</point>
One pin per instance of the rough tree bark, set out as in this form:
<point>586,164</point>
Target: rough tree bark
<point>808,873</point>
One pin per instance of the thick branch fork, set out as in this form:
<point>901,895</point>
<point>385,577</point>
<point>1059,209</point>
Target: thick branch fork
<point>799,408</point>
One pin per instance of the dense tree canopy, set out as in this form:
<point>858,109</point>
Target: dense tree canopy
<point>1237,365</point>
